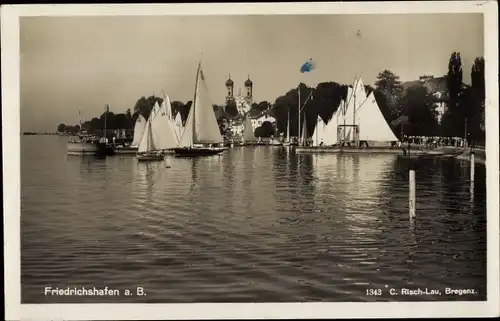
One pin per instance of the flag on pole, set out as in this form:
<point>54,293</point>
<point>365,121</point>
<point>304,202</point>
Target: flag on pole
<point>308,66</point>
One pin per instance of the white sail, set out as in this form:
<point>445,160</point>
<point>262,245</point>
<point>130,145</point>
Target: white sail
<point>147,143</point>
<point>201,125</point>
<point>331,128</point>
<point>304,130</point>
<point>178,125</point>
<point>167,127</point>
<point>359,93</point>
<point>162,129</point>
<point>356,96</point>
<point>139,128</point>
<point>167,106</point>
<point>372,124</point>
<point>155,110</point>
<point>248,132</point>
<point>319,132</point>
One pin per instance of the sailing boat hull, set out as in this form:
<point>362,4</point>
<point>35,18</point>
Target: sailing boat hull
<point>150,157</point>
<point>197,151</point>
<point>275,143</point>
<point>80,148</point>
<point>126,150</point>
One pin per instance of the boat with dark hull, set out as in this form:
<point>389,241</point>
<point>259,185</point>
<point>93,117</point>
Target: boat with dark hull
<point>126,150</point>
<point>197,151</point>
<point>201,135</point>
<point>150,157</point>
<point>104,149</point>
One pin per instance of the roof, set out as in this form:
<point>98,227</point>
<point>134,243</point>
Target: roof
<point>229,82</point>
<point>248,82</point>
<point>433,84</point>
<point>437,84</point>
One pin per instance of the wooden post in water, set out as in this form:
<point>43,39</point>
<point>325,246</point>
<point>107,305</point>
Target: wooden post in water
<point>412,190</point>
<point>472,166</point>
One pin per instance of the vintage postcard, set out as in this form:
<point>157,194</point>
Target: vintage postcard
<point>238,161</point>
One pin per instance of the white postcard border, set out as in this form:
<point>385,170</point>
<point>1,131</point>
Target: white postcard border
<point>11,169</point>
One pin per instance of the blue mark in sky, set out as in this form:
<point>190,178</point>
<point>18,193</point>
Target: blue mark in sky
<point>307,66</point>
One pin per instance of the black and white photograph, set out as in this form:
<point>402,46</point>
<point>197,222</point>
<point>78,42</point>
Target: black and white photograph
<point>313,153</point>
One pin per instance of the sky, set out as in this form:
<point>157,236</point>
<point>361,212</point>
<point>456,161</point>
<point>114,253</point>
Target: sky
<point>82,63</point>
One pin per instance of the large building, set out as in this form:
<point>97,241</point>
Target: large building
<point>435,86</point>
<point>243,103</point>
<point>258,121</point>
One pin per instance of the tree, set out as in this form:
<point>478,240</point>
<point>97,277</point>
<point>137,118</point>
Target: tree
<point>265,130</point>
<point>259,132</point>
<point>454,80</point>
<point>326,100</point>
<point>389,90</point>
<point>258,108</point>
<point>144,105</point>
<point>231,108</point>
<point>479,94</point>
<point>419,106</point>
<point>288,104</point>
<point>61,128</point>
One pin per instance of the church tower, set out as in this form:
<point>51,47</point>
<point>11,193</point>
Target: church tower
<point>230,90</point>
<point>249,88</point>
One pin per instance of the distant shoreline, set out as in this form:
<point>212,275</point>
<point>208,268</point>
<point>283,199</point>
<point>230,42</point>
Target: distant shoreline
<point>39,134</point>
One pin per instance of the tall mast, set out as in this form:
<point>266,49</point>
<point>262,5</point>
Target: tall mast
<point>193,106</point>
<point>354,115</point>
<point>299,125</point>
<point>80,118</point>
<point>288,127</point>
<point>105,119</point>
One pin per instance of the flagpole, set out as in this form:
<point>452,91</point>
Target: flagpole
<point>354,115</point>
<point>105,121</point>
<point>356,129</point>
<point>299,137</point>
<point>288,127</point>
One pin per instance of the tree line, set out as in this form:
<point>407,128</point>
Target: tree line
<point>413,108</point>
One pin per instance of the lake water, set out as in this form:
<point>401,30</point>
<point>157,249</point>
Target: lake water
<point>255,224</point>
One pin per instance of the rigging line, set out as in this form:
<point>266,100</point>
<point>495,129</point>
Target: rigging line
<point>355,85</point>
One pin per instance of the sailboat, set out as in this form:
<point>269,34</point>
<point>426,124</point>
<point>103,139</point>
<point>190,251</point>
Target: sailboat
<point>319,133</point>
<point>139,128</point>
<point>178,125</point>
<point>201,131</point>
<point>288,141</point>
<point>84,145</point>
<point>164,121</point>
<point>248,132</point>
<point>373,126</point>
<point>304,132</point>
<point>147,150</point>
<point>104,148</point>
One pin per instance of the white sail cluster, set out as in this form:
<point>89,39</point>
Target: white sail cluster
<point>358,109</point>
<point>163,131</point>
<point>159,133</point>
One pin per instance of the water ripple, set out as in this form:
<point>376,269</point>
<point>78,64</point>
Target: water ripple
<point>252,225</point>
